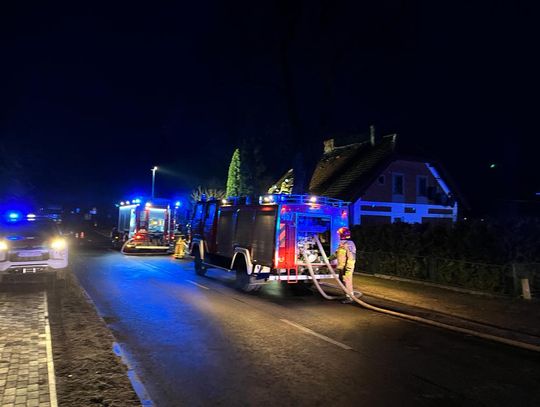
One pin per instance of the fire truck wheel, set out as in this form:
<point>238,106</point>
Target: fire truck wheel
<point>244,282</point>
<point>200,269</point>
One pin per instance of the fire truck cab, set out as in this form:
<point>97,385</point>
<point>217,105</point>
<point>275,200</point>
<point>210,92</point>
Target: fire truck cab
<point>267,240</point>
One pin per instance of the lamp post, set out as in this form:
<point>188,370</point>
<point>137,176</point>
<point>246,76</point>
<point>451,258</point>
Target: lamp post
<point>153,179</point>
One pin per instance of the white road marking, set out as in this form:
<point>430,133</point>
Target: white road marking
<point>198,285</point>
<point>50,362</point>
<point>320,336</point>
<point>152,266</point>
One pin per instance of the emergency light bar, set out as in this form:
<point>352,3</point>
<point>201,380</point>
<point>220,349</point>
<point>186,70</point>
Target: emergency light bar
<point>130,203</point>
<point>274,199</point>
<point>14,216</point>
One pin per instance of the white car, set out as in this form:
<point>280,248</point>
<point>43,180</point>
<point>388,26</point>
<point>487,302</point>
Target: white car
<point>32,246</point>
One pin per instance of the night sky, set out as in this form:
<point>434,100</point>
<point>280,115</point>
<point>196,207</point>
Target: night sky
<point>92,96</point>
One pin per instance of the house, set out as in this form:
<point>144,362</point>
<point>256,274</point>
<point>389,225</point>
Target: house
<point>382,185</point>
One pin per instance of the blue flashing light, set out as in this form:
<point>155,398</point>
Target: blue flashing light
<point>178,204</point>
<point>13,216</point>
<point>14,238</point>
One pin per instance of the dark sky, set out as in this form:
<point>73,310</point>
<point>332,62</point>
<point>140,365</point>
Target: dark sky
<point>92,96</point>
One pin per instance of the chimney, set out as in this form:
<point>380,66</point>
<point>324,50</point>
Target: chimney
<point>372,135</point>
<point>328,146</point>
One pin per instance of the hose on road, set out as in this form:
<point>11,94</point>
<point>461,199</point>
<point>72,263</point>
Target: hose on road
<point>124,246</point>
<point>511,342</point>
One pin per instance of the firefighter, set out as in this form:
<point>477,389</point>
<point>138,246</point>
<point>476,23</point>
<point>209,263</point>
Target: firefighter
<point>180,248</point>
<point>346,259</point>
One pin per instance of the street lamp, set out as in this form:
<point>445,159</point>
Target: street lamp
<point>153,179</point>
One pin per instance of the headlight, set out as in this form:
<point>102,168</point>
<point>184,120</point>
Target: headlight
<point>58,244</point>
<point>3,245</point>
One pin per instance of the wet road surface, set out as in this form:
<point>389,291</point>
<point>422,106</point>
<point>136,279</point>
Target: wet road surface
<point>196,341</point>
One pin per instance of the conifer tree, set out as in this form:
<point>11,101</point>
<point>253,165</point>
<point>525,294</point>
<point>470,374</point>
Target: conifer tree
<point>233,178</point>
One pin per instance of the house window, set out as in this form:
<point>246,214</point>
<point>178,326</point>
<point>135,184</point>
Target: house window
<point>421,185</point>
<point>397,184</point>
<point>381,180</point>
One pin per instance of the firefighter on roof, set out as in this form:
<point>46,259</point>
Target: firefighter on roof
<point>346,259</point>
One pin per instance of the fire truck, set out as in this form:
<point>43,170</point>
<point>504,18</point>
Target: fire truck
<point>145,226</point>
<point>267,240</point>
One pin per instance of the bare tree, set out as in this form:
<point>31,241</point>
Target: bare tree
<point>209,193</point>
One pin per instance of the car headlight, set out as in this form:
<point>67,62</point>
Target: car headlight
<point>3,245</point>
<point>58,244</point>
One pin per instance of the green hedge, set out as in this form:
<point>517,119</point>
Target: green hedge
<point>476,276</point>
<point>474,241</point>
<point>475,255</point>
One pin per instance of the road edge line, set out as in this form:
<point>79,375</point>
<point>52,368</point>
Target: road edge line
<point>50,361</point>
<point>432,284</point>
<point>136,382</point>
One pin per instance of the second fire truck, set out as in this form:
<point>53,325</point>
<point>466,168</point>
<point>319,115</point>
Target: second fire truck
<point>145,226</point>
<point>267,240</point>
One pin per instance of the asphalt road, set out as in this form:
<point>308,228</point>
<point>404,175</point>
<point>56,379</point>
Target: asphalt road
<point>196,341</point>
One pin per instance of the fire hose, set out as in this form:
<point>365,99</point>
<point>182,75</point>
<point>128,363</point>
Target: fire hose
<point>125,244</point>
<point>414,318</point>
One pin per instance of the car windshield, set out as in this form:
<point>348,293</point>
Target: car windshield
<point>27,229</point>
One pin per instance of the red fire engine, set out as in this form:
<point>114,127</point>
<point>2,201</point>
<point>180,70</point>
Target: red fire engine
<point>146,226</point>
<point>267,240</point>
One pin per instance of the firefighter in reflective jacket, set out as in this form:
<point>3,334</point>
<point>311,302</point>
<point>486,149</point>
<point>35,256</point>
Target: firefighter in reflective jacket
<point>346,259</point>
<point>180,248</point>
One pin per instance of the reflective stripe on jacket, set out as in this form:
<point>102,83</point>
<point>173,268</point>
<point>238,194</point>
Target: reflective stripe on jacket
<point>346,256</point>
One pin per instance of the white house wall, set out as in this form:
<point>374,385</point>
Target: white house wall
<point>397,211</point>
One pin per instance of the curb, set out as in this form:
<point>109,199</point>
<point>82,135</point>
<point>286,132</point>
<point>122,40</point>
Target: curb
<point>430,284</point>
<point>50,361</point>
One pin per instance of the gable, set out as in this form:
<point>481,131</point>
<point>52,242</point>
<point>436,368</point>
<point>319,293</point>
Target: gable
<point>381,189</point>
<point>346,171</point>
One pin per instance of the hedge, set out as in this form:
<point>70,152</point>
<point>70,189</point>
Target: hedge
<point>475,255</point>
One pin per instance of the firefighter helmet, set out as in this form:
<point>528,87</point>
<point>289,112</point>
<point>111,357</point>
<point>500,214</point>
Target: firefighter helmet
<point>344,233</point>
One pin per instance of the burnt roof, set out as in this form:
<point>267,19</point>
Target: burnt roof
<point>346,171</point>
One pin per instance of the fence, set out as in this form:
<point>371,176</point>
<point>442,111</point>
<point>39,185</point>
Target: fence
<point>494,278</point>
